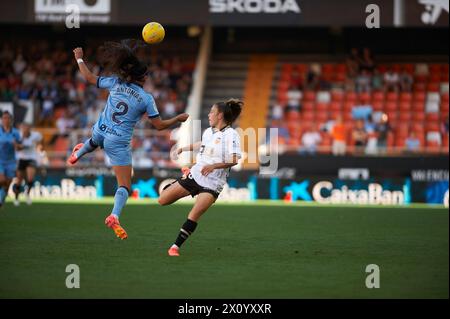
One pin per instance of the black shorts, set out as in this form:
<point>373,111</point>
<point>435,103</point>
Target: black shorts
<point>193,188</point>
<point>23,164</point>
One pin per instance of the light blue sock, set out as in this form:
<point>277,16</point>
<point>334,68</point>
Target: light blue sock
<point>87,147</point>
<point>120,199</point>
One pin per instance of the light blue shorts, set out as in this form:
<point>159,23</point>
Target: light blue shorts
<point>8,169</point>
<point>119,152</point>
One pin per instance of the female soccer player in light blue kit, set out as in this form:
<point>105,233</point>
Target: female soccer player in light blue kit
<point>9,142</point>
<point>126,104</point>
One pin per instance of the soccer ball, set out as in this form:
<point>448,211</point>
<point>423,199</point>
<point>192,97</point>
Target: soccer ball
<point>153,33</point>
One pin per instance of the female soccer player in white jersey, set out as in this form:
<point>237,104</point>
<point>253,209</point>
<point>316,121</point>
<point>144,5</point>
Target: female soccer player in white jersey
<point>219,151</point>
<point>127,103</point>
<point>28,156</point>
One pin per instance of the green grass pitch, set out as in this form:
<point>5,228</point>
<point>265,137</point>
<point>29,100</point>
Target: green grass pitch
<point>237,251</point>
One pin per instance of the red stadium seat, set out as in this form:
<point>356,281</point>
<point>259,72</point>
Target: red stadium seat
<point>308,116</point>
<point>293,115</point>
<point>402,129</point>
<point>348,106</point>
<point>364,98</point>
<point>348,116</point>
<point>378,96</point>
<point>435,68</point>
<point>392,116</point>
<point>335,106</point>
<point>435,78</point>
<point>351,97</point>
<point>418,107</point>
<point>308,106</point>
<point>322,117</point>
<point>433,87</point>
<point>321,107</point>
<point>302,68</point>
<point>418,116</point>
<point>309,96</point>
<point>392,96</point>
<point>287,67</point>
<point>396,67</point>
<point>340,77</point>
<point>409,68</point>
<point>405,97</point>
<point>419,87</point>
<point>327,68</point>
<point>378,106</point>
<point>391,107</point>
<point>404,106</point>
<point>335,114</point>
<point>432,117</point>
<point>404,117</point>
<point>432,127</point>
<point>341,68</point>
<point>337,96</point>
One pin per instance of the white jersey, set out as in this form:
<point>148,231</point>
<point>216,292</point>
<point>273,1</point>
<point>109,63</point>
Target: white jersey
<point>217,147</point>
<point>29,143</point>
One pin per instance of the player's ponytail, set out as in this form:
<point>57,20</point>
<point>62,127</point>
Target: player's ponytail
<point>120,59</point>
<point>231,110</point>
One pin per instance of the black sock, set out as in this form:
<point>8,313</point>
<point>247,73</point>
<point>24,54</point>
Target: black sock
<point>186,230</point>
<point>29,187</point>
<point>16,190</point>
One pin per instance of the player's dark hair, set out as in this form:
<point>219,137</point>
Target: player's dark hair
<point>6,113</point>
<point>231,109</point>
<point>121,59</point>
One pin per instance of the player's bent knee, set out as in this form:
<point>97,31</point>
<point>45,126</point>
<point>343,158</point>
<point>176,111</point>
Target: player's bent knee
<point>162,201</point>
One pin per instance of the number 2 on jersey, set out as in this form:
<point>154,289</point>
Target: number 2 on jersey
<point>120,113</point>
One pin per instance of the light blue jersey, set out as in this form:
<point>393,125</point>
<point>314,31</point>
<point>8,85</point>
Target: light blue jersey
<point>8,152</point>
<point>7,139</point>
<point>127,103</point>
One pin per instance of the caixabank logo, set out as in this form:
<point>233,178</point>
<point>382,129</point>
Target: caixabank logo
<point>327,192</point>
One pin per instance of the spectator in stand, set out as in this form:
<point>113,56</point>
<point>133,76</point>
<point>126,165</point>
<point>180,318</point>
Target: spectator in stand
<point>406,82</point>
<point>359,136</point>
<point>352,62</point>
<point>296,80</point>
<point>310,140</point>
<point>277,112</point>
<point>47,111</point>
<point>382,129</point>
<point>312,78</point>
<point>412,143</point>
<point>363,82</point>
<point>372,136</point>
<point>367,61</point>
<point>377,81</point>
<point>64,125</point>
<point>444,126</point>
<point>391,80</point>
<point>19,64</point>
<point>294,95</point>
<point>339,135</point>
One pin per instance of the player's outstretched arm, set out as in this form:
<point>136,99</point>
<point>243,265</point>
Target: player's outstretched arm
<point>161,124</point>
<point>189,148</point>
<point>87,74</point>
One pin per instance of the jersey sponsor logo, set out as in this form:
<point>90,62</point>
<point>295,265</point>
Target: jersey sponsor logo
<point>109,130</point>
